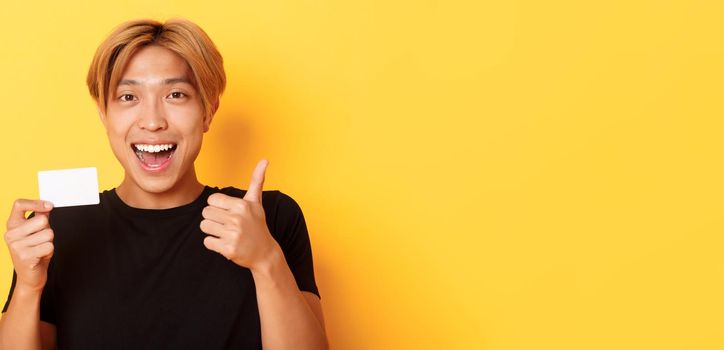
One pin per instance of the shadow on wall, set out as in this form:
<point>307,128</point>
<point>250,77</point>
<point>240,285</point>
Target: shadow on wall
<point>225,152</point>
<point>231,149</point>
<point>332,302</point>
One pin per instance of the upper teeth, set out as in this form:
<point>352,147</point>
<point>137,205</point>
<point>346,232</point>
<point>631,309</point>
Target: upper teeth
<point>153,148</point>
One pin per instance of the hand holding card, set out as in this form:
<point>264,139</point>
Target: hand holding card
<point>69,187</point>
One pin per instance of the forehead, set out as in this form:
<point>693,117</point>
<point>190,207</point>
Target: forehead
<point>155,63</point>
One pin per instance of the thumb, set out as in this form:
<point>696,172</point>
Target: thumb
<point>253,194</point>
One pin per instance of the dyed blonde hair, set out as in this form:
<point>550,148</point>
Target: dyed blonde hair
<point>181,36</point>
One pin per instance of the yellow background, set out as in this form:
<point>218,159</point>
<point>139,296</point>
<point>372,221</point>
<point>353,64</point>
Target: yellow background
<point>474,175</point>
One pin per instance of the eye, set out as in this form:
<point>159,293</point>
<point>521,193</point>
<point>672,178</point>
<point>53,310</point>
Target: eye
<point>127,98</point>
<point>177,94</point>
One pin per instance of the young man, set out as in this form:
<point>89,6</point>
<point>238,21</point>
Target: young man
<point>163,262</point>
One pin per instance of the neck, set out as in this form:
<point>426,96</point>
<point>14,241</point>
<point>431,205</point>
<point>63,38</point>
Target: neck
<point>184,191</point>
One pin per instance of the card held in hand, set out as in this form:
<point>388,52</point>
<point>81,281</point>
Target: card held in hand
<point>69,187</point>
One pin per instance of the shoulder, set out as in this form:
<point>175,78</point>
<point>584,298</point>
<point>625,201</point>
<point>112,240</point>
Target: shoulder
<point>283,213</point>
<point>274,200</point>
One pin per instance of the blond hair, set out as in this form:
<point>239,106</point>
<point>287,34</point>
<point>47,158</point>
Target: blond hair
<point>181,36</point>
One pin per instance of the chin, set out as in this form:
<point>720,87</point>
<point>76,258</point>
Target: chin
<point>154,169</point>
<point>156,186</point>
<point>156,183</point>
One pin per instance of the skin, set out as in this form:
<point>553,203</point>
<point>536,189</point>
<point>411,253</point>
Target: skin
<point>145,109</point>
<point>30,242</point>
<point>157,103</point>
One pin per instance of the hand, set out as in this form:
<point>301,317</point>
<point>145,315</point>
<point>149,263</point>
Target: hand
<point>237,226</point>
<point>30,242</point>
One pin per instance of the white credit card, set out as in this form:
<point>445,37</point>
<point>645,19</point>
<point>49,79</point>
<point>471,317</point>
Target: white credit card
<point>69,187</point>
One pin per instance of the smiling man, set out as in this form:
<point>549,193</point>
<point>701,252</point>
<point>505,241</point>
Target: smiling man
<point>163,262</point>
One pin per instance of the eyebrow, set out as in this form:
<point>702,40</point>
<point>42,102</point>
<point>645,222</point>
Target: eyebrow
<point>168,81</point>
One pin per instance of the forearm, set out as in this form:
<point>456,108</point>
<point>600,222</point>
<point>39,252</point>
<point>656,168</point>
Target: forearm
<point>287,321</point>
<point>20,324</point>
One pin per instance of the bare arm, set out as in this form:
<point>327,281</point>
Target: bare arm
<point>30,242</point>
<point>20,325</point>
<point>237,230</point>
<point>290,319</point>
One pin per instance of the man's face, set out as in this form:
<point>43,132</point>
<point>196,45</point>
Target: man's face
<point>155,121</point>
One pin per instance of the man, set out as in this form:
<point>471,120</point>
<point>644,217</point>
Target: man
<point>163,261</point>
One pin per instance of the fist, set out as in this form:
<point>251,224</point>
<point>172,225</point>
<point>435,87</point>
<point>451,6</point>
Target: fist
<point>237,226</point>
<point>30,242</point>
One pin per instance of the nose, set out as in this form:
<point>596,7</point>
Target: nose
<point>152,117</point>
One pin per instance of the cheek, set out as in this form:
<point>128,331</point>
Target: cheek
<point>116,132</point>
<point>189,123</point>
<point>186,115</point>
<point>117,129</point>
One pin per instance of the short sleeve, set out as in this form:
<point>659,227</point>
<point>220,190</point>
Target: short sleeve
<point>47,311</point>
<point>10,294</point>
<point>295,243</point>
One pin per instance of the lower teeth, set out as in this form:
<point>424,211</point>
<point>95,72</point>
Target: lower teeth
<point>163,155</point>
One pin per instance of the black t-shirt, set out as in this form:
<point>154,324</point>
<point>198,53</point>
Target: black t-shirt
<point>130,278</point>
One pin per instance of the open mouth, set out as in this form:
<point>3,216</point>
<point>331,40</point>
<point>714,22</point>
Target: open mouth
<point>154,157</point>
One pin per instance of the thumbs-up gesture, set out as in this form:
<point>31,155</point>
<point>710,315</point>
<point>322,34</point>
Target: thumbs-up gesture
<point>237,226</point>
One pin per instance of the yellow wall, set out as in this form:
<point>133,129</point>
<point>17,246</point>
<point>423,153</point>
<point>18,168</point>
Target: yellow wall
<point>475,175</point>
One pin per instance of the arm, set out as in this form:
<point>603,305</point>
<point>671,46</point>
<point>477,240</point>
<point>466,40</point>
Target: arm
<point>290,319</point>
<point>237,229</point>
<point>30,242</point>
<point>20,325</point>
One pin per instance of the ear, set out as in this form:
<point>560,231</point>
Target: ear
<point>209,118</point>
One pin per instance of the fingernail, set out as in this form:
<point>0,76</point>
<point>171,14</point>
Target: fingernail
<point>48,205</point>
